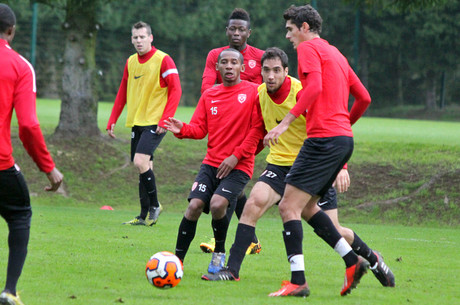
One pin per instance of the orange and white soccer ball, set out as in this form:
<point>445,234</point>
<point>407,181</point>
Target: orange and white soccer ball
<point>164,270</point>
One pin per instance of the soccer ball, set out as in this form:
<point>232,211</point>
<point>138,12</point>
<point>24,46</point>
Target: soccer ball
<point>164,270</point>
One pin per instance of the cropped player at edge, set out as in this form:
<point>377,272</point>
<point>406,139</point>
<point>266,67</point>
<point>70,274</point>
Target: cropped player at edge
<point>238,30</point>
<point>18,93</point>
<point>229,115</point>
<point>277,95</point>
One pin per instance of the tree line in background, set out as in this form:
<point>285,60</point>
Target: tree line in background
<point>406,53</point>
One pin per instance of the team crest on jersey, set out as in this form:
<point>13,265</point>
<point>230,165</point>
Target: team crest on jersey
<point>194,185</point>
<point>252,63</point>
<point>241,98</point>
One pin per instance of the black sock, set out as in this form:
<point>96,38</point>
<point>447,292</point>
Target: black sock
<point>244,235</point>
<point>18,240</point>
<point>144,199</point>
<point>325,229</point>
<point>148,180</point>
<point>239,211</point>
<point>293,237</point>
<point>187,229</point>
<point>220,227</point>
<point>360,248</point>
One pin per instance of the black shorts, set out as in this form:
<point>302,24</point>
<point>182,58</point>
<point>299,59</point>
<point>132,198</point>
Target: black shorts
<point>274,176</point>
<point>206,185</point>
<point>145,140</point>
<point>318,163</point>
<point>14,198</point>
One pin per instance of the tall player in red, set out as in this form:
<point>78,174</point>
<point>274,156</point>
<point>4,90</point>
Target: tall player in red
<point>17,91</point>
<point>230,116</point>
<point>327,80</point>
<point>238,31</point>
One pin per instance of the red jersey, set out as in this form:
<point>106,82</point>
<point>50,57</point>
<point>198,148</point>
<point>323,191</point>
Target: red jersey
<point>327,114</point>
<point>231,118</point>
<point>17,90</point>
<point>252,72</point>
<point>169,78</point>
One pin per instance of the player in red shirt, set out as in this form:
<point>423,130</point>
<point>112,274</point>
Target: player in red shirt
<point>17,91</point>
<point>151,90</point>
<point>230,116</point>
<point>238,31</point>
<point>327,80</point>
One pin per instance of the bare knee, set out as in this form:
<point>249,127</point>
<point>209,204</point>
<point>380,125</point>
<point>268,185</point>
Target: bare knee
<point>218,207</point>
<point>194,209</point>
<point>141,162</point>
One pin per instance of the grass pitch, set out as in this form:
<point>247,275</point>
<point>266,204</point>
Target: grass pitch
<point>83,255</point>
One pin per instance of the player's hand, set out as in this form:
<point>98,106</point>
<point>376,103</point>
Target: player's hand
<point>111,131</point>
<point>55,177</point>
<point>174,125</point>
<point>226,167</point>
<point>272,136</point>
<point>342,181</point>
<point>160,130</point>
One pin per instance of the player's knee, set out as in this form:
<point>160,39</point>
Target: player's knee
<point>218,208</point>
<point>194,210</point>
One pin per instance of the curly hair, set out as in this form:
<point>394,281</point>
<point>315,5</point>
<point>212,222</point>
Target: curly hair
<point>300,14</point>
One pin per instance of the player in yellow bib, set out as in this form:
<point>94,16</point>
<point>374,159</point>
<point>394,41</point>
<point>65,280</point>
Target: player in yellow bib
<point>278,95</point>
<point>150,88</point>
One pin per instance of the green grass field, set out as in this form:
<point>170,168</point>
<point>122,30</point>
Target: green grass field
<point>79,254</point>
<point>82,255</point>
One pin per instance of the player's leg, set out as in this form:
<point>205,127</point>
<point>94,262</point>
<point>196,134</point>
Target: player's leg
<point>328,204</point>
<point>291,206</point>
<point>148,142</point>
<point>199,198</point>
<point>255,246</point>
<point>15,209</point>
<point>227,192</point>
<point>187,227</point>
<point>262,197</point>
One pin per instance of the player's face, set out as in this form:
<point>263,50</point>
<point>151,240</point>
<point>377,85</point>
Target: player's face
<point>294,34</point>
<point>273,74</point>
<point>141,40</point>
<point>230,67</point>
<point>238,33</point>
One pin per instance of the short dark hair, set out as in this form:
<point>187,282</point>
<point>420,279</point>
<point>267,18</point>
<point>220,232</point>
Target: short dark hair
<point>240,56</point>
<point>7,18</point>
<point>273,53</point>
<point>142,24</point>
<point>300,14</point>
<point>240,14</point>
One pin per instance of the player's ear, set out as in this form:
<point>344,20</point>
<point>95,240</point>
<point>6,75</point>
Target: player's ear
<point>305,27</point>
<point>286,71</point>
<point>243,67</point>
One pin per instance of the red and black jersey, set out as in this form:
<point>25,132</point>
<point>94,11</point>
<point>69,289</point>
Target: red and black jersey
<point>231,118</point>
<point>252,72</point>
<point>17,91</point>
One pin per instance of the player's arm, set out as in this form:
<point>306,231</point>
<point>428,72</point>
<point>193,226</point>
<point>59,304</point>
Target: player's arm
<point>312,89</point>
<point>29,128</point>
<point>196,129</point>
<point>119,104</point>
<point>361,95</point>
<point>170,78</point>
<point>209,74</point>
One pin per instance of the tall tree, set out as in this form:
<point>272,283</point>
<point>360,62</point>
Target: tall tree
<point>78,95</point>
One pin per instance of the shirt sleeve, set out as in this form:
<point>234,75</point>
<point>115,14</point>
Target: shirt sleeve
<point>312,88</point>
<point>210,73</point>
<point>198,126</point>
<point>170,76</point>
<point>255,134</point>
<point>120,100</point>
<point>361,95</point>
<point>29,128</point>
